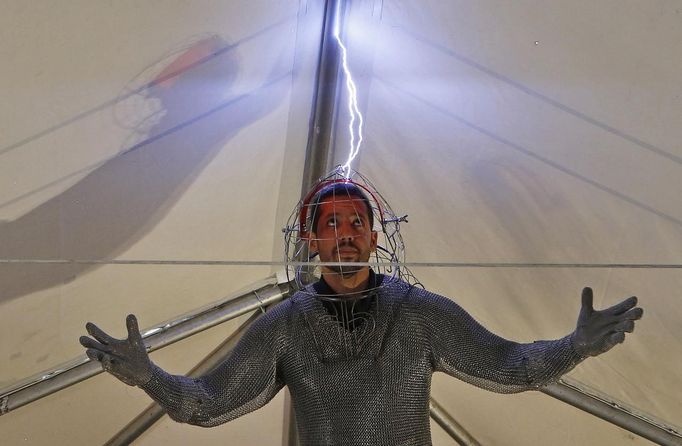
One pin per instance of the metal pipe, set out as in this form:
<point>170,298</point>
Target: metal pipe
<point>290,429</point>
<point>613,412</point>
<point>154,412</point>
<point>82,368</point>
<point>319,155</point>
<point>450,425</point>
<point>319,151</point>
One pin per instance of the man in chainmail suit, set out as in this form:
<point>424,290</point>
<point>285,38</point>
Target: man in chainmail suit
<point>357,349</point>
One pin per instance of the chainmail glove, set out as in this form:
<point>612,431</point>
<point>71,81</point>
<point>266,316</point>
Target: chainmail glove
<point>599,331</point>
<point>126,359</point>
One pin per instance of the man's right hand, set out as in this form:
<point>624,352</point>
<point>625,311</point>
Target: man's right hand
<point>126,359</point>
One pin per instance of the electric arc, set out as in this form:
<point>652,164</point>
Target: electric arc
<point>353,108</point>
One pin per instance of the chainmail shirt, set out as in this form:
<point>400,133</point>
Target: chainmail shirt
<point>367,383</point>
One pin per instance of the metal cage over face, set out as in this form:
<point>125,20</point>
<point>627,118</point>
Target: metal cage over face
<point>303,260</point>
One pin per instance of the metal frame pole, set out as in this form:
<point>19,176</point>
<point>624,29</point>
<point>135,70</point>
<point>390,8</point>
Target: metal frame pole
<point>164,334</point>
<point>320,148</point>
<point>614,413</point>
<point>450,425</point>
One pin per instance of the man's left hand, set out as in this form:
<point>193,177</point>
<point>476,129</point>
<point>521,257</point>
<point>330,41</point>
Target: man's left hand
<point>599,330</point>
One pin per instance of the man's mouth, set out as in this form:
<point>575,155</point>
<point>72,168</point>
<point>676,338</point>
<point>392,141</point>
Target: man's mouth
<point>347,251</point>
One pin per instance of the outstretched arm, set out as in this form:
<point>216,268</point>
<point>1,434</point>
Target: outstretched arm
<point>245,381</point>
<point>463,348</point>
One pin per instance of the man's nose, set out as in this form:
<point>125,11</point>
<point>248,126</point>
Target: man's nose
<point>344,232</point>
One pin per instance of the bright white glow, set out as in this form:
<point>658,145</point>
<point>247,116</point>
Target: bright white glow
<point>352,97</point>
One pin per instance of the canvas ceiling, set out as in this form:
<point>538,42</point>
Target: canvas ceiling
<point>526,132</point>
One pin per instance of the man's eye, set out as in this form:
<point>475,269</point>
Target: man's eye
<point>357,222</point>
<point>331,223</point>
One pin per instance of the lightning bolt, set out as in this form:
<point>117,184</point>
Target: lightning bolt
<point>352,97</point>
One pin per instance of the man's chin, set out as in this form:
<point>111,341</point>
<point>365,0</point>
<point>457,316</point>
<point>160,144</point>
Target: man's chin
<point>349,271</point>
<point>346,271</point>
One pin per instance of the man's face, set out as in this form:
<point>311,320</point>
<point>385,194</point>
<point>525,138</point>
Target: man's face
<point>343,233</point>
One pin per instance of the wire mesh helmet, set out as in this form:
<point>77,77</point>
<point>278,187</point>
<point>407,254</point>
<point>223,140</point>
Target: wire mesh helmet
<point>303,262</point>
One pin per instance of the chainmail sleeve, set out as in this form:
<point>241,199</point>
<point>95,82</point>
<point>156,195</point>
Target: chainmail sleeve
<point>463,348</point>
<point>244,382</point>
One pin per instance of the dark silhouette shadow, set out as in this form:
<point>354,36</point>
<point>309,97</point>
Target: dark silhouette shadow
<point>524,206</point>
<point>124,198</point>
<point>136,90</point>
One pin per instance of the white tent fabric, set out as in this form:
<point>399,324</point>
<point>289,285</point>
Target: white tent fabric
<point>522,132</point>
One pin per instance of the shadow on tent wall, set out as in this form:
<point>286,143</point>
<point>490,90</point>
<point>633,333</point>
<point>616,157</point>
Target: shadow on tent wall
<point>123,198</point>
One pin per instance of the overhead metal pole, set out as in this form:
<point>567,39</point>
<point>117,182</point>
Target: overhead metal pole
<point>320,148</point>
<point>157,337</point>
<point>613,412</point>
<point>450,425</point>
<point>154,412</point>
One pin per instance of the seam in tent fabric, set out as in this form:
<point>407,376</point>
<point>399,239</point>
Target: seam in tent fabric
<point>408,264</point>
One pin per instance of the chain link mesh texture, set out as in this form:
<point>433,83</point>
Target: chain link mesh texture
<point>359,386</point>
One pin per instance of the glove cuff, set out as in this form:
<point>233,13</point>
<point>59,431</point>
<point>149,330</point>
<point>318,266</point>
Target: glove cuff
<point>144,379</point>
<point>577,349</point>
